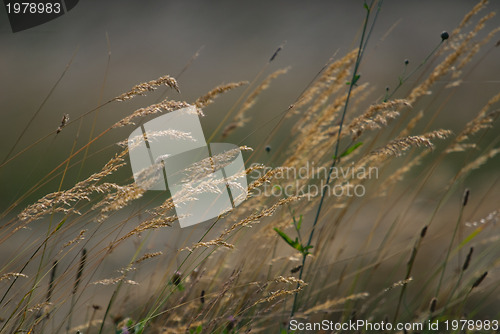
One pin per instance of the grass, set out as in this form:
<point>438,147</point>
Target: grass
<point>355,215</point>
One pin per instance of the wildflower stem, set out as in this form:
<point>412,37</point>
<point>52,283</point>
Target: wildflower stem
<point>354,79</point>
<point>402,80</point>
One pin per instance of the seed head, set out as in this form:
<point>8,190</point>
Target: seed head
<point>176,278</point>
<point>466,197</point>
<point>445,35</point>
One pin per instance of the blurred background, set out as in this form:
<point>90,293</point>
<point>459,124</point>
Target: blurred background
<point>148,39</point>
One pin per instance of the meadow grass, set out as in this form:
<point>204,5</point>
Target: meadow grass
<point>419,244</point>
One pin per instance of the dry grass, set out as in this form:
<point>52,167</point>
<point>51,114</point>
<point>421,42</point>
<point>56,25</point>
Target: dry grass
<point>377,256</point>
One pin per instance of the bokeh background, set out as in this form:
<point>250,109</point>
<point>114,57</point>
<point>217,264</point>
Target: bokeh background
<point>148,39</point>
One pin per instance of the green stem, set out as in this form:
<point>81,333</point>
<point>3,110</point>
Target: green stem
<point>354,79</point>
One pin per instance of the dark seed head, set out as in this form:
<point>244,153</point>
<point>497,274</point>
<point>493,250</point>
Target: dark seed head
<point>479,280</point>
<point>467,260</point>
<point>407,61</point>
<point>387,88</point>
<point>176,278</point>
<point>466,197</point>
<point>445,35</point>
<point>202,297</point>
<point>423,232</point>
<point>268,148</point>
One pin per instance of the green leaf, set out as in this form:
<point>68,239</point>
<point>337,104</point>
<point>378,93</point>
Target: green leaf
<point>305,249</point>
<point>196,330</point>
<point>470,237</point>
<point>284,331</point>
<point>355,79</point>
<point>366,6</point>
<point>286,238</point>
<point>349,150</point>
<point>299,224</point>
<point>293,243</point>
<point>139,328</point>
<point>60,224</point>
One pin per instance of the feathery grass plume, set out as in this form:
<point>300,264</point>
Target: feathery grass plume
<point>122,196</point>
<point>39,307</point>
<point>111,281</point>
<point>10,275</point>
<point>239,119</point>
<point>376,116</point>
<point>164,208</point>
<point>148,224</point>
<point>481,160</point>
<point>148,256</point>
<point>327,306</point>
<point>326,78</point>
<point>249,205</point>
<point>458,37</point>
<point>77,239</point>
<point>283,292</point>
<point>191,190</point>
<point>215,242</point>
<point>316,135</point>
<point>476,9</point>
<point>264,179</point>
<point>207,166</point>
<point>492,217</point>
<point>398,146</point>
<point>334,86</point>
<point>411,124</point>
<point>144,87</point>
<point>455,83</point>
<point>165,105</point>
<point>209,97</point>
<point>255,217</point>
<point>448,64</point>
<point>402,282</point>
<point>154,135</point>
<point>62,201</point>
<point>474,50</point>
<point>483,120</point>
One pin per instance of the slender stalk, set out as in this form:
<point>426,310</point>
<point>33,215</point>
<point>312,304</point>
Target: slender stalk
<point>354,79</point>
